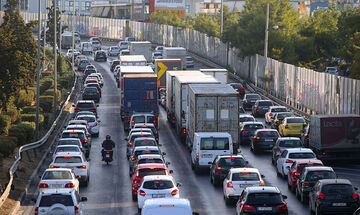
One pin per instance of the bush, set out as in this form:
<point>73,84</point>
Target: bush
<point>46,103</point>
<point>26,97</point>
<point>1,159</point>
<point>50,92</point>
<point>66,81</point>
<point>31,117</point>
<point>28,109</point>
<point>45,84</point>
<point>7,145</point>
<point>12,111</point>
<point>32,124</point>
<point>5,123</point>
<point>23,132</point>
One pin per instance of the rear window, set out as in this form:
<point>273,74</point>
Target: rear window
<point>283,115</point>
<point>151,171</point>
<point>159,54</point>
<point>295,120</point>
<point>150,119</point>
<point>158,185</point>
<point>144,143</point>
<point>144,152</point>
<point>88,119</point>
<point>114,48</point>
<point>139,135</point>
<point>245,176</point>
<point>302,155</point>
<point>268,134</point>
<point>68,159</point>
<point>337,188</point>
<point>138,119</point>
<point>266,103</point>
<point>95,43</point>
<point>73,135</point>
<point>67,149</point>
<point>264,198</point>
<point>150,160</point>
<point>214,143</point>
<point>253,126</point>
<point>69,142</point>
<point>302,166</point>
<point>246,119</point>
<point>253,97</point>
<point>56,175</point>
<point>318,175</point>
<point>48,201</point>
<point>90,90</point>
<point>290,143</point>
<point>232,162</point>
<point>274,110</point>
<point>85,105</point>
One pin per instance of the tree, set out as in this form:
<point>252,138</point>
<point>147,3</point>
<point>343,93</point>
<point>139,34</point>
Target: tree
<point>17,53</point>
<point>355,68</point>
<point>50,25</point>
<point>166,18</point>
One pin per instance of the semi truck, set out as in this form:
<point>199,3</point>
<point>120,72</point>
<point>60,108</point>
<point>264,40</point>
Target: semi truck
<point>220,74</point>
<point>335,137</point>
<point>180,93</point>
<point>140,95</point>
<point>212,108</point>
<point>66,40</point>
<point>175,52</point>
<point>170,103</point>
<point>141,48</point>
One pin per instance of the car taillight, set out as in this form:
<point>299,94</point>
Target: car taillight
<point>229,185</point>
<point>76,209</point>
<point>321,196</point>
<point>83,94</point>
<point>257,108</point>
<point>97,94</point>
<point>246,207</point>
<point>277,121</point>
<point>54,166</point>
<point>142,193</point>
<point>281,207</point>
<point>174,192</point>
<point>127,117</point>
<point>184,131</point>
<point>286,126</point>
<point>132,122</point>
<point>95,124</point>
<point>245,132</point>
<point>69,185</point>
<point>197,156</point>
<point>289,161</point>
<point>36,211</point>
<point>296,173</point>
<point>270,114</point>
<point>258,138</point>
<point>245,101</point>
<point>355,196</point>
<point>278,150</point>
<point>241,89</point>
<point>133,159</point>
<point>43,185</point>
<point>305,184</point>
<point>77,109</point>
<point>130,143</point>
<point>218,169</point>
<point>173,117</point>
<point>261,183</point>
<point>81,167</point>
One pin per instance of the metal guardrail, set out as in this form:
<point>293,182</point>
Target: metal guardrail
<point>33,145</point>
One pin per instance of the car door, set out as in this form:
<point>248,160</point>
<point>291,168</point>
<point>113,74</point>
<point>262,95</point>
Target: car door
<point>226,180</point>
<point>281,160</point>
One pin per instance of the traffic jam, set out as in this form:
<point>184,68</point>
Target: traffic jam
<point>215,120</point>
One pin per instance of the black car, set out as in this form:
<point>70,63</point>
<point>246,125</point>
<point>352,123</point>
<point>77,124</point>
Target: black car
<point>239,88</point>
<point>91,93</point>
<point>86,105</point>
<point>261,107</point>
<point>82,64</point>
<point>336,196</point>
<point>94,85</point>
<point>264,139</point>
<point>248,129</point>
<point>279,117</point>
<point>100,55</point>
<point>87,72</point>
<point>308,178</point>
<point>250,99</point>
<point>114,64</point>
<point>222,164</point>
<point>262,200</point>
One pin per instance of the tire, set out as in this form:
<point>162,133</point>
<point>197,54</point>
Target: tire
<point>216,182</point>
<point>283,174</point>
<point>272,160</point>
<point>227,201</point>
<point>134,197</point>
<point>107,162</point>
<point>297,193</point>
<point>317,212</point>
<point>303,199</point>
<point>86,183</point>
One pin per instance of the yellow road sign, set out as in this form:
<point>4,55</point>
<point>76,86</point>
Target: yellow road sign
<point>162,70</point>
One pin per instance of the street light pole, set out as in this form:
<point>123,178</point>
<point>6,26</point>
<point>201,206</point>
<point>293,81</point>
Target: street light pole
<point>73,37</point>
<point>55,61</point>
<point>38,75</point>
<point>46,6</point>
<point>266,31</point>
<point>222,18</point>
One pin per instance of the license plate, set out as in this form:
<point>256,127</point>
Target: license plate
<point>268,140</point>
<point>338,204</point>
<point>264,208</point>
<point>107,155</point>
<point>252,100</point>
<point>158,195</point>
<point>244,185</point>
<point>206,155</point>
<point>57,186</point>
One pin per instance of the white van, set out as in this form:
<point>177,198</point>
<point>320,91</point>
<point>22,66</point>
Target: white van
<point>86,48</point>
<point>207,145</point>
<point>167,206</point>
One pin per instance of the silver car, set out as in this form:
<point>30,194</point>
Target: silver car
<point>284,143</point>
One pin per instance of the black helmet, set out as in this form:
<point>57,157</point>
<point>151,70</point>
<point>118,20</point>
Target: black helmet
<point>108,137</point>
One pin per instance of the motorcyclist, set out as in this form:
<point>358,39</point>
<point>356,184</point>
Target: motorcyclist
<point>107,145</point>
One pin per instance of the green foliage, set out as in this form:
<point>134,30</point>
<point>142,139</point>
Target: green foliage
<point>46,84</point>
<point>32,124</point>
<point>46,103</point>
<point>355,68</point>
<point>165,18</point>
<point>23,132</point>
<point>26,97</point>
<point>31,117</point>
<point>12,111</point>
<point>50,24</point>
<point>50,92</point>
<point>5,123</point>
<point>28,109</point>
<point>7,145</point>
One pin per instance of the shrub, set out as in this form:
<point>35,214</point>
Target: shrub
<point>1,159</point>
<point>45,84</point>
<point>28,109</point>
<point>26,97</point>
<point>31,117</point>
<point>12,111</point>
<point>32,124</point>
<point>46,103</point>
<point>50,92</point>
<point>7,145</point>
<point>66,81</point>
<point>23,132</point>
<point>5,123</point>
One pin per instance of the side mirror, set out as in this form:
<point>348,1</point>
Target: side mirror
<point>83,199</point>
<point>41,176</point>
<point>163,153</point>
<point>127,139</point>
<point>167,163</point>
<point>178,184</point>
<point>78,176</point>
<point>171,171</point>
<point>288,167</point>
<point>284,197</point>
<point>97,105</point>
<point>355,188</point>
<point>262,176</point>
<point>210,163</point>
<point>247,162</point>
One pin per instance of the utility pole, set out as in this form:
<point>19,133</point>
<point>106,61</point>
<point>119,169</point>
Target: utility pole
<point>221,18</point>
<point>73,38</point>
<point>46,6</point>
<point>266,31</point>
<point>55,61</point>
<point>38,75</point>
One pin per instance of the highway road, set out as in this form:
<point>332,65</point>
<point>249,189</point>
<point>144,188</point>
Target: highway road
<point>109,190</point>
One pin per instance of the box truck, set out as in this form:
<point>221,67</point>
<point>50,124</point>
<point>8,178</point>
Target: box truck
<point>141,48</point>
<point>175,52</point>
<point>220,74</point>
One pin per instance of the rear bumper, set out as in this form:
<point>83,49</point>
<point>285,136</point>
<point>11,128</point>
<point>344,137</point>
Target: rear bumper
<point>328,208</point>
<point>262,146</point>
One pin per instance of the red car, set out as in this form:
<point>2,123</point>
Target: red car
<point>143,170</point>
<point>296,169</point>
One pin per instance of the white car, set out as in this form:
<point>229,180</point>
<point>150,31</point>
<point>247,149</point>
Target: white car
<point>124,52</point>
<point>79,127</point>
<point>90,67</point>
<point>58,178</point>
<point>59,201</point>
<point>98,76</point>
<point>238,179</point>
<point>289,156</point>
<point>166,206</point>
<point>147,158</point>
<point>269,116</point>
<point>157,186</point>
<point>75,161</point>
<point>93,123</point>
<point>66,148</point>
<point>246,118</point>
<point>134,130</point>
<point>123,45</point>
<point>331,70</point>
<point>70,142</point>
<point>69,53</point>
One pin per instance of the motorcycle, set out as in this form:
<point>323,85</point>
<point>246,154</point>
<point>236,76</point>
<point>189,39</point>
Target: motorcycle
<point>108,156</point>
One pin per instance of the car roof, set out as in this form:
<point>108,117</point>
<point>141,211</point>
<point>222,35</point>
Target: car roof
<point>152,165</point>
<point>144,124</point>
<point>85,101</point>
<point>157,202</point>
<point>62,154</point>
<point>145,114</point>
<point>154,177</point>
<point>139,129</point>
<point>73,130</point>
<point>76,126</point>
<point>90,116</point>
<point>145,156</point>
<point>267,189</point>
<point>247,123</point>
<point>266,129</point>
<point>246,115</point>
<point>77,120</point>
<point>277,106</point>
<point>249,94</point>
<point>289,138</point>
<point>140,148</point>
<point>58,169</point>
<point>140,133</point>
<point>294,117</point>
<point>335,181</point>
<point>57,191</point>
<point>303,161</point>
<point>299,150</point>
<point>264,100</point>
<point>60,146</point>
<point>144,138</point>
<point>231,156</point>
<point>237,170</point>
<point>317,168</point>
<point>287,112</point>
<point>63,139</point>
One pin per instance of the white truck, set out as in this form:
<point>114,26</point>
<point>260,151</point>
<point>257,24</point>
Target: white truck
<point>175,52</point>
<point>141,48</point>
<point>180,93</point>
<point>86,48</point>
<point>132,60</point>
<point>67,40</point>
<point>212,108</point>
<point>220,74</point>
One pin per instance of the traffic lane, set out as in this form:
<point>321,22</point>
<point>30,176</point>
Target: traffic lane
<point>109,190</point>
<point>204,197</point>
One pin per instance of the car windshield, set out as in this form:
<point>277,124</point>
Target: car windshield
<point>68,159</point>
<point>302,166</point>
<point>150,160</point>
<point>114,48</point>
<point>85,105</point>
<point>138,119</point>
<point>144,152</point>
<point>253,97</point>
<point>253,126</point>
<point>95,43</point>
<point>300,155</point>
<point>290,143</point>
<point>318,175</point>
<point>334,189</point>
<point>232,162</point>
<point>133,136</point>
<point>158,184</point>
<point>56,175</point>
<point>283,115</point>
<point>268,134</point>
<point>150,119</point>
<point>151,171</point>
<point>144,143</point>
<point>48,201</point>
<point>246,119</point>
<point>73,135</point>
<point>280,109</point>
<point>295,120</point>
<point>265,103</point>
<point>67,149</point>
<point>87,118</point>
<point>69,142</point>
<point>245,176</point>
<point>264,198</point>
<point>217,143</point>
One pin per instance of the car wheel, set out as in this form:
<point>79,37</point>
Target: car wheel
<point>134,197</point>
<point>86,183</point>
<point>297,193</point>
<point>227,200</point>
<point>216,181</point>
<point>283,173</point>
<point>317,212</point>
<point>273,160</point>
<point>211,179</point>
<point>310,207</point>
<point>139,210</point>
<point>303,199</point>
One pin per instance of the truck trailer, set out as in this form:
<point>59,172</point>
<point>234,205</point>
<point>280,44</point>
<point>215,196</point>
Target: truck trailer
<point>175,52</point>
<point>141,48</point>
<point>220,74</point>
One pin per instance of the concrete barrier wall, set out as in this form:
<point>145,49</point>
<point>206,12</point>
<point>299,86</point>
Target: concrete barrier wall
<point>302,88</point>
